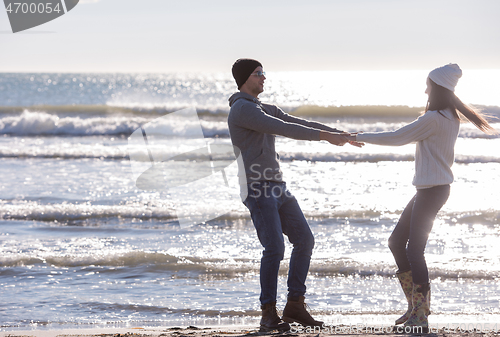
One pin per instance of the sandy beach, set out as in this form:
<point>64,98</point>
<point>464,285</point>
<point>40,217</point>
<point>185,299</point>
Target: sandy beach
<point>239,331</point>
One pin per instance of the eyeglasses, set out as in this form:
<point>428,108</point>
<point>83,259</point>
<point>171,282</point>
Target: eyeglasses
<point>259,73</point>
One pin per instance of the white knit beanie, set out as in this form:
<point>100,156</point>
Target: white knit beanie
<point>446,76</point>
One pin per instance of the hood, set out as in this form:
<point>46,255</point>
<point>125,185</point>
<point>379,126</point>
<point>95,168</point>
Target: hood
<point>242,95</point>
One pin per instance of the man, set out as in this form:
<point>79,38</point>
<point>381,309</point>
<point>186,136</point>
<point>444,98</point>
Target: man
<point>274,210</point>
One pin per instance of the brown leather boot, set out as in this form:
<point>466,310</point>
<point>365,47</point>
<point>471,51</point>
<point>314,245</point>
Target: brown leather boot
<point>296,311</point>
<point>270,320</point>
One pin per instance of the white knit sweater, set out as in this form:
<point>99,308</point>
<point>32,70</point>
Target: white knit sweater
<point>435,135</point>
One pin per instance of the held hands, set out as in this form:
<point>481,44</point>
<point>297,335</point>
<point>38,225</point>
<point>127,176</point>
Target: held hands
<point>340,138</point>
<point>351,138</point>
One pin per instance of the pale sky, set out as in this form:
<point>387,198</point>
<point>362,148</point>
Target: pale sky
<point>285,35</point>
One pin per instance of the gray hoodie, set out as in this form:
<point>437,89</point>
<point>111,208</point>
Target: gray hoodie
<point>253,127</point>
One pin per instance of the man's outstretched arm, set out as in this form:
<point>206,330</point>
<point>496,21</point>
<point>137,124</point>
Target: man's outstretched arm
<point>333,138</point>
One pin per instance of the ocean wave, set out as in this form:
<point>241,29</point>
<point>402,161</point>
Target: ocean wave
<point>103,152</point>
<point>212,268</point>
<point>348,267</point>
<point>153,214</point>
<point>380,111</point>
<point>43,123</point>
<point>132,259</point>
<point>70,212</point>
<point>118,121</point>
<point>398,112</point>
<point>40,123</point>
<point>117,307</point>
<point>76,151</point>
<point>80,213</point>
<point>147,109</point>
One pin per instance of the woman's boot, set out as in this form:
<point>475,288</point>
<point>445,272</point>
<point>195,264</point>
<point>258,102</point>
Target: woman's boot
<point>407,284</point>
<point>421,297</point>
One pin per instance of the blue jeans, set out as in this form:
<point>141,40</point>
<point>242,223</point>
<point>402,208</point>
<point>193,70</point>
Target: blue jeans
<point>408,240</point>
<point>275,211</point>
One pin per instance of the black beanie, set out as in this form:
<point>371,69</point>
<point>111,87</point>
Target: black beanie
<point>242,69</point>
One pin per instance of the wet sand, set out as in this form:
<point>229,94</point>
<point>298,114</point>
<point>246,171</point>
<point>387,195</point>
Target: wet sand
<point>238,331</point>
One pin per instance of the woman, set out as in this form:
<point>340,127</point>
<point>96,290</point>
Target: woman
<point>435,133</point>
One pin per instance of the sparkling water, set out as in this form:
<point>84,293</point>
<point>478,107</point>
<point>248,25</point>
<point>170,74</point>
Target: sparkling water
<point>82,245</point>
